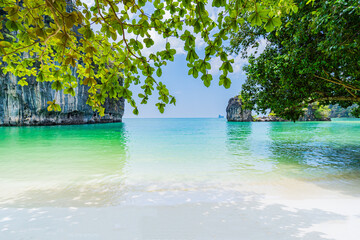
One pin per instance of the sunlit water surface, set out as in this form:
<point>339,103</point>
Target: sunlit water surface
<point>141,160</point>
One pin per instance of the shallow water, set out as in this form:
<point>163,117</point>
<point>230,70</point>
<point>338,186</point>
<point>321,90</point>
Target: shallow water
<point>99,164</point>
<point>169,162</point>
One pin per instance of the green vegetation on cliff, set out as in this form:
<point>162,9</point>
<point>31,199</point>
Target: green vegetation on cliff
<point>340,112</point>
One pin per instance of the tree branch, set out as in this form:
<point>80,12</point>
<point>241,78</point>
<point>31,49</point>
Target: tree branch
<point>339,83</point>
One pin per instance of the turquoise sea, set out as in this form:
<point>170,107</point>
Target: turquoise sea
<point>169,162</point>
<point>59,164</point>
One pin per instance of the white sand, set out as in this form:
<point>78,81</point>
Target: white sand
<point>288,209</point>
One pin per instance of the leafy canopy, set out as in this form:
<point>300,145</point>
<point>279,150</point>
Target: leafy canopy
<point>312,57</point>
<point>54,36</point>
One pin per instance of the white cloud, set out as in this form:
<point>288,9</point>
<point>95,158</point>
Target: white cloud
<point>215,65</point>
<point>199,42</point>
<point>160,43</point>
<point>167,15</point>
<point>237,65</point>
<point>89,2</point>
<point>262,45</point>
<point>239,62</point>
<point>213,12</point>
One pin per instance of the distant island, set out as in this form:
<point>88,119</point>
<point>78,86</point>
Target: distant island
<point>221,116</point>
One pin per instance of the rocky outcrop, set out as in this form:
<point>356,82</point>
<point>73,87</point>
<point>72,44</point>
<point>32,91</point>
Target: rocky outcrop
<point>310,114</point>
<point>270,119</point>
<point>28,105</point>
<point>235,111</point>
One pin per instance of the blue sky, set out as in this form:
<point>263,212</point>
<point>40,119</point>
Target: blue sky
<point>193,98</point>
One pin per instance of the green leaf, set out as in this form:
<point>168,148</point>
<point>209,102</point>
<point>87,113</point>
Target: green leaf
<point>173,101</point>
<point>56,85</point>
<point>159,72</point>
<point>11,26</point>
<point>233,13</point>
<point>227,82</point>
<point>136,111</point>
<point>148,42</point>
<point>40,76</point>
<point>161,107</point>
<point>206,79</point>
<point>57,108</point>
<point>277,21</point>
<point>270,26</point>
<point>255,19</point>
<point>23,82</point>
<point>70,91</point>
<point>5,44</point>
<point>89,81</point>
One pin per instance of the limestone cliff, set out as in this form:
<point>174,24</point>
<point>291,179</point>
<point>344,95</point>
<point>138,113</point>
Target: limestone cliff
<point>313,113</point>
<point>28,105</point>
<point>235,112</point>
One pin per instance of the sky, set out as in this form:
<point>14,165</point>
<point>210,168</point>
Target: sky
<point>193,99</point>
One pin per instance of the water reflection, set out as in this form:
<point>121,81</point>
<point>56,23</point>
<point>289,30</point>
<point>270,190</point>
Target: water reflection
<point>62,165</point>
<point>237,141</point>
<point>309,150</point>
<point>315,150</point>
<point>247,143</point>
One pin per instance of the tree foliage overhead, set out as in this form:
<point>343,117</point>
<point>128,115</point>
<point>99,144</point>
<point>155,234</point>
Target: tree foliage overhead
<point>58,35</point>
<point>313,56</point>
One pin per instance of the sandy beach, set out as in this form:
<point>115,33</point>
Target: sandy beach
<point>281,210</point>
